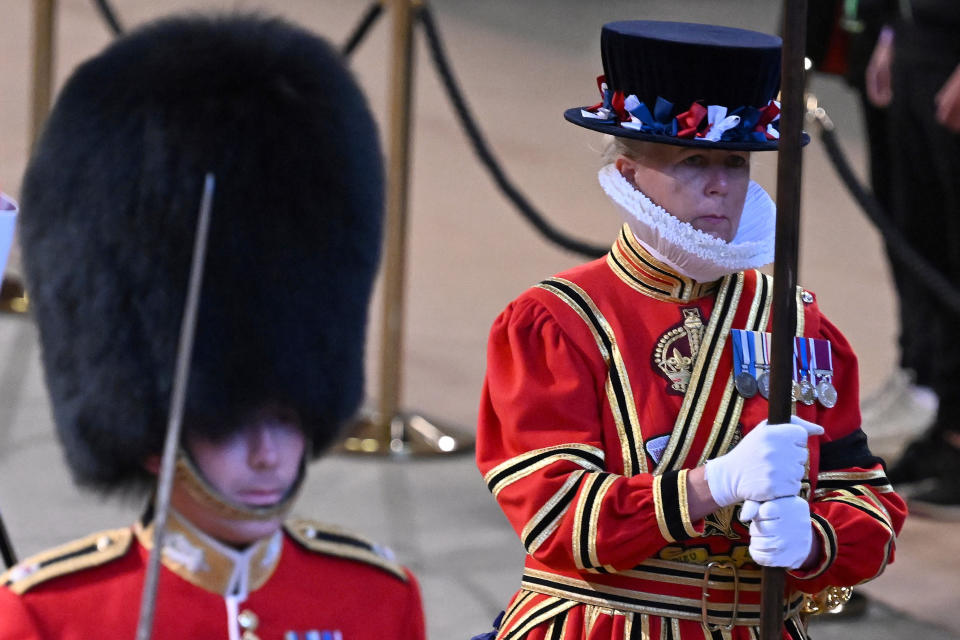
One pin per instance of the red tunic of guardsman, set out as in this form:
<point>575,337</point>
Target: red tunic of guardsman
<point>607,386</point>
<point>307,582</point>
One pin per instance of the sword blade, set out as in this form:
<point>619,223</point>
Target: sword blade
<point>188,325</point>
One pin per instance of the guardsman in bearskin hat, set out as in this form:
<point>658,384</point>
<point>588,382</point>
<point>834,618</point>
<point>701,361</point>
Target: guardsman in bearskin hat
<point>622,425</point>
<point>110,203</point>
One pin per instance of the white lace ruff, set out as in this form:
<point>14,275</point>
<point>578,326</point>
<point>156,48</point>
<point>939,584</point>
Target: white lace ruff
<point>692,252</point>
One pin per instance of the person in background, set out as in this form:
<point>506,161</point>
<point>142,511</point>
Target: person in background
<point>110,203</point>
<point>914,74</point>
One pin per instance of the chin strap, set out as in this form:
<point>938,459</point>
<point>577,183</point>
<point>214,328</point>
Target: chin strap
<point>190,478</point>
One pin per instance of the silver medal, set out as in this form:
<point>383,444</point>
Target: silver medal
<point>746,384</point>
<point>826,393</point>
<point>763,384</point>
<point>806,392</point>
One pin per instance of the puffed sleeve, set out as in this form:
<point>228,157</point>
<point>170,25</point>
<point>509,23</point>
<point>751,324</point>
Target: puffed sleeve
<point>541,449</point>
<point>16,623</point>
<point>856,513</point>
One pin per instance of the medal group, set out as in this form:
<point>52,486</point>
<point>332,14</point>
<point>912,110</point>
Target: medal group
<point>812,367</point>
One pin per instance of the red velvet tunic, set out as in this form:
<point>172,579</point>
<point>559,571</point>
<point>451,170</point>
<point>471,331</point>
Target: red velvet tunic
<point>604,385</point>
<point>312,580</point>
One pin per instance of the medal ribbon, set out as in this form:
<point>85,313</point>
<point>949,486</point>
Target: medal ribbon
<point>737,350</point>
<point>804,365</point>
<point>796,378</point>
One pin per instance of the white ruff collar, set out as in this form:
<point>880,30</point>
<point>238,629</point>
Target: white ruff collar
<point>692,252</point>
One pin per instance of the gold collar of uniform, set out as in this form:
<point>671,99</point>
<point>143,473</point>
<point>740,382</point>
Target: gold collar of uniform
<point>190,478</point>
<point>212,565</point>
<point>634,264</point>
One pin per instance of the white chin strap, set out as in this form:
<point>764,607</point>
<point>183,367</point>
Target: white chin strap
<point>692,252</point>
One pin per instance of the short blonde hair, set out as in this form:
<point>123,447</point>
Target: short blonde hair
<point>616,146</point>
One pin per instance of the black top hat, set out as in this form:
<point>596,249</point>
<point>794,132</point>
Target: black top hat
<point>687,84</point>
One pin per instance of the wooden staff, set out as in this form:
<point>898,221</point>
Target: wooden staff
<point>789,165</point>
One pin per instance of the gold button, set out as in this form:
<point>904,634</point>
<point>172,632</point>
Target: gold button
<point>248,620</point>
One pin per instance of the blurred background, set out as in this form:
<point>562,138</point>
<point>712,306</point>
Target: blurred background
<point>519,64</point>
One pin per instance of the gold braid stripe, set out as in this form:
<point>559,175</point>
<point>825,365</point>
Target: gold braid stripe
<point>619,392</point>
<point>726,420</point>
<point>521,466</point>
<point>537,614</point>
<point>539,521</point>
<point>701,379</point>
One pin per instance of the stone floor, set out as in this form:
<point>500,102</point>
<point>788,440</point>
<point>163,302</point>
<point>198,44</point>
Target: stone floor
<point>520,64</point>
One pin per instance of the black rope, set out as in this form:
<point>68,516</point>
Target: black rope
<point>900,250</point>
<point>374,11</point>
<point>109,16</point>
<point>6,548</point>
<point>482,149</point>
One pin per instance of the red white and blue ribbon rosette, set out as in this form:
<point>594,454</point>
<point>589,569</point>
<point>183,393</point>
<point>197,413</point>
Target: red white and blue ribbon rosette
<point>706,123</point>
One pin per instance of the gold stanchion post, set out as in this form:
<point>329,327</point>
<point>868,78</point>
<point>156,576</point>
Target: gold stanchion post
<point>13,297</point>
<point>44,20</point>
<point>387,431</point>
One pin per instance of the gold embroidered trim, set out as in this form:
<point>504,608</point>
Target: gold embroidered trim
<point>862,502</point>
<point>628,426</point>
<point>525,467</point>
<point>658,508</point>
<point>85,553</point>
<point>545,510</point>
<point>696,397</point>
<point>595,520</point>
<point>514,609</point>
<point>208,563</point>
<point>334,541</point>
<point>724,426</point>
<point>539,613</point>
<point>627,251</point>
<point>829,535</point>
<point>659,604</point>
<point>691,574</point>
<point>684,507</point>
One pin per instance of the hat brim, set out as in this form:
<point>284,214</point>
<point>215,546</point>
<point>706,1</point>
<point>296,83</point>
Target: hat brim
<point>576,117</point>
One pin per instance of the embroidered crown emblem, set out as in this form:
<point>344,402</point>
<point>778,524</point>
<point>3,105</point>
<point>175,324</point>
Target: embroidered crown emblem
<point>677,350</point>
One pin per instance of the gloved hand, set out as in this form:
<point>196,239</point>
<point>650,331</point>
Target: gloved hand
<point>768,463</point>
<point>780,531</point>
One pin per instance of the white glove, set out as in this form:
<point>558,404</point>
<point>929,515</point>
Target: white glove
<point>768,463</point>
<point>780,531</point>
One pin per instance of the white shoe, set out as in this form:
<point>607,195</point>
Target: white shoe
<point>896,413</point>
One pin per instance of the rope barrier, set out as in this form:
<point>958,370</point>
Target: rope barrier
<point>369,18</point>
<point>899,249</point>
<point>109,16</point>
<point>482,149</point>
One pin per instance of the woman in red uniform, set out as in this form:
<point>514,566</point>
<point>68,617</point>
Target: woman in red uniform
<point>622,422</point>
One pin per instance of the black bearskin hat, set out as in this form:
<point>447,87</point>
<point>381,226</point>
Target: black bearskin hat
<point>110,204</point>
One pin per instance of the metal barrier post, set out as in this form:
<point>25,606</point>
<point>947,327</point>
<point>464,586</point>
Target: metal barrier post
<point>387,431</point>
<point>44,21</point>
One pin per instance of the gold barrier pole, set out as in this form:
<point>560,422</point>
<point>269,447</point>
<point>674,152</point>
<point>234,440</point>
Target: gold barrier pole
<point>13,297</point>
<point>44,19</point>
<point>387,431</point>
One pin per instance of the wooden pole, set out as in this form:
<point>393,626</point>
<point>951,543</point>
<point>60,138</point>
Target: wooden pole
<point>395,247</point>
<point>44,23</point>
<point>789,171</point>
